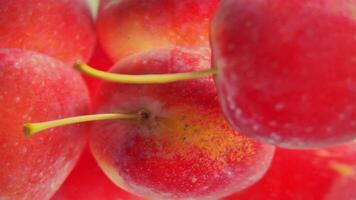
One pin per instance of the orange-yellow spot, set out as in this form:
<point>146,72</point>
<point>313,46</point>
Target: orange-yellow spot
<point>188,133</point>
<point>136,38</point>
<point>345,7</point>
<point>342,168</point>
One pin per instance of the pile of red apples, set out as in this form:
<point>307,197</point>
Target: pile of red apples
<point>178,100</point>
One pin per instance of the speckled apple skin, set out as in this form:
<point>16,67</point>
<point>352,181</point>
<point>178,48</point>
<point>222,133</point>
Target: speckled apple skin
<point>63,29</point>
<point>328,174</point>
<point>35,88</point>
<point>186,149</point>
<point>287,70</point>
<point>126,27</point>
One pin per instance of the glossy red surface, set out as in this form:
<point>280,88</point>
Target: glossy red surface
<point>327,174</point>
<point>62,29</point>
<point>185,149</point>
<point>132,26</point>
<point>287,69</point>
<point>35,88</point>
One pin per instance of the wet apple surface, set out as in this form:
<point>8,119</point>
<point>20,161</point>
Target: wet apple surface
<point>36,87</point>
<point>63,29</point>
<point>182,148</point>
<point>167,123</point>
<point>286,69</point>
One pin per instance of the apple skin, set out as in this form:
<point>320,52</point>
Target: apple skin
<point>63,29</point>
<point>286,70</point>
<point>327,174</point>
<point>88,182</point>
<point>184,149</point>
<point>126,27</point>
<point>35,88</point>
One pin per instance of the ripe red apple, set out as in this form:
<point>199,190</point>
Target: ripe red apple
<point>88,182</point>
<point>287,69</point>
<point>182,147</point>
<point>328,174</point>
<point>132,26</point>
<point>60,28</point>
<point>39,88</point>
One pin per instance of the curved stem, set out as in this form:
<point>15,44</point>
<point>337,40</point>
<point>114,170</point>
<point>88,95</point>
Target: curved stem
<point>142,79</point>
<point>33,128</point>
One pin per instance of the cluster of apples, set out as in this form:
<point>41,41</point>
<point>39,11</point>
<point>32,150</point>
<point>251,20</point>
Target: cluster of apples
<point>208,99</point>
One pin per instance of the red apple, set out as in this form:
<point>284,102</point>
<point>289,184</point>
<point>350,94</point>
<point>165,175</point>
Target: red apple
<point>328,174</point>
<point>60,28</point>
<point>287,69</point>
<point>34,87</point>
<point>131,26</point>
<point>181,147</point>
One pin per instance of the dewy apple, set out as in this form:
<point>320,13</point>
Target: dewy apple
<point>287,69</point>
<point>36,87</point>
<point>63,29</point>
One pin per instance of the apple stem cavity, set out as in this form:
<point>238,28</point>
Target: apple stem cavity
<point>142,79</point>
<point>31,129</point>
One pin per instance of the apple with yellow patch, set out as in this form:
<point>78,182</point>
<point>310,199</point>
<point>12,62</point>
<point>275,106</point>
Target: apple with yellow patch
<point>126,27</point>
<point>182,148</point>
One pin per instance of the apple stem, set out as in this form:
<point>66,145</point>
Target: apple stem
<point>142,79</point>
<point>33,128</point>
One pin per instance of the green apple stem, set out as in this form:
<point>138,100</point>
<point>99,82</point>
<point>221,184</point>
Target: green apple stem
<point>33,128</point>
<point>142,79</point>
